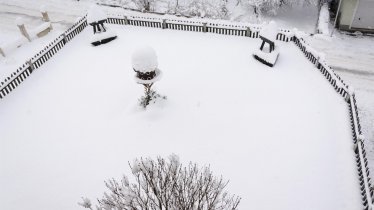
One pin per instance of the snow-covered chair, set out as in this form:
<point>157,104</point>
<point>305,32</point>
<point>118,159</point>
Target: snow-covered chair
<point>268,35</point>
<point>96,18</point>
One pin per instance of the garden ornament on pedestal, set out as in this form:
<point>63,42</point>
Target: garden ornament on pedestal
<point>144,63</point>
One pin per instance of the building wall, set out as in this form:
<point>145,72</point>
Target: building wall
<point>364,17</point>
<point>346,13</point>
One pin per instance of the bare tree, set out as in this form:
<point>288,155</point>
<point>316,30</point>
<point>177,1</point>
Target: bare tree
<point>144,5</point>
<point>165,184</point>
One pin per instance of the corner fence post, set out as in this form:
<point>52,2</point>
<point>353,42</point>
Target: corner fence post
<point>126,20</point>
<point>64,38</point>
<point>164,26</point>
<point>29,62</point>
<point>347,97</point>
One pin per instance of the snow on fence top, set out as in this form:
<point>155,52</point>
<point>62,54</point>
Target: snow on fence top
<point>270,31</point>
<point>95,14</point>
<point>144,59</point>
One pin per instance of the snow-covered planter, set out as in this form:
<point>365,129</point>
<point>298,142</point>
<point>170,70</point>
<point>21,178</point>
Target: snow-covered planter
<point>96,18</point>
<point>268,35</point>
<point>144,63</point>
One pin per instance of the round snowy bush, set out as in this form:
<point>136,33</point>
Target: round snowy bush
<point>95,14</point>
<point>144,59</point>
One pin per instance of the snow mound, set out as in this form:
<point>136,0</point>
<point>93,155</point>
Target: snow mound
<point>95,14</point>
<point>144,59</point>
<point>270,31</point>
<point>20,21</point>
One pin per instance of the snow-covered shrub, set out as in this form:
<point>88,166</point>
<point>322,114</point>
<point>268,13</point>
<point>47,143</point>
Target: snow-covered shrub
<point>150,96</point>
<point>300,3</point>
<point>271,7</point>
<point>144,63</point>
<point>215,9</point>
<point>144,5</point>
<point>166,184</point>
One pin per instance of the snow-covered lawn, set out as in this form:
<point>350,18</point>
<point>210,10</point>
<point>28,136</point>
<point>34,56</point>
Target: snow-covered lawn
<point>280,135</point>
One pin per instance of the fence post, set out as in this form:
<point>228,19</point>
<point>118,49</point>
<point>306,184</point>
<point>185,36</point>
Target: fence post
<point>29,62</point>
<point>317,62</point>
<point>126,20</point>
<point>2,52</point>
<point>64,38</point>
<point>248,32</point>
<point>164,24</point>
<point>204,28</point>
<point>350,93</point>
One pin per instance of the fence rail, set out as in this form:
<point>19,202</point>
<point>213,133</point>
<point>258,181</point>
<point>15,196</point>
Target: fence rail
<point>225,28</point>
<point>197,26</point>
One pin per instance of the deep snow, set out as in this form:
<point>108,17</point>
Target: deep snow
<point>280,135</point>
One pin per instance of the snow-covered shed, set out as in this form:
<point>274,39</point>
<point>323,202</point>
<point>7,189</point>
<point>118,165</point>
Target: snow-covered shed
<point>355,15</point>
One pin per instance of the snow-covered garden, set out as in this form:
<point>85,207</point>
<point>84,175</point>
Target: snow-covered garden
<point>281,135</point>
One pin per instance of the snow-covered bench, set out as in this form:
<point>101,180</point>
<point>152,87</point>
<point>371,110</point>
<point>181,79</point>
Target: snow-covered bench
<point>268,35</point>
<point>96,18</point>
